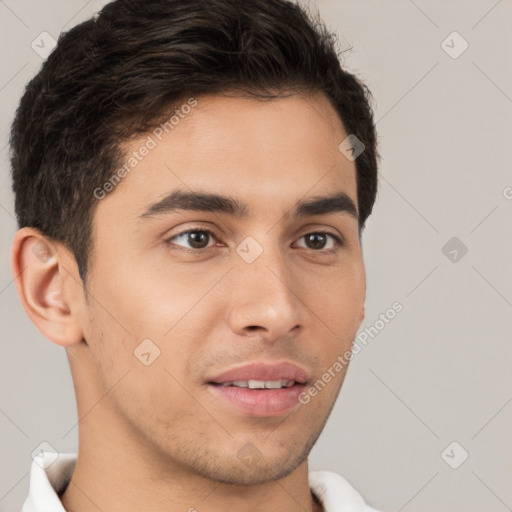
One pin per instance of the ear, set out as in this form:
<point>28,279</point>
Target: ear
<point>39,273</point>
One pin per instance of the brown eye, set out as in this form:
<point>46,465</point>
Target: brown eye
<point>321,240</point>
<point>195,238</point>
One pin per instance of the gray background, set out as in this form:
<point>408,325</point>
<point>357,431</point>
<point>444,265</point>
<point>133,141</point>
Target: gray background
<point>440,370</point>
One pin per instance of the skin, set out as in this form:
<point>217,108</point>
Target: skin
<point>151,436</point>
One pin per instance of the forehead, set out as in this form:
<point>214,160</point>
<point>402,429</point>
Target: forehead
<point>258,151</point>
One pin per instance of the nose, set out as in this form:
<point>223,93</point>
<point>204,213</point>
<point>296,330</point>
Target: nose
<point>264,300</point>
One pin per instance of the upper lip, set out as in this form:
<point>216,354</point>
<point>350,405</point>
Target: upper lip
<point>263,371</point>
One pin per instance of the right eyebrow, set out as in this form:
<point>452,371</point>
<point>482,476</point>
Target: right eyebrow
<point>197,201</point>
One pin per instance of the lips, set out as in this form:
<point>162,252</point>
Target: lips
<point>265,372</point>
<point>260,389</point>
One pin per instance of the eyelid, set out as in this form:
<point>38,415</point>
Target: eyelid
<point>192,229</point>
<point>339,240</point>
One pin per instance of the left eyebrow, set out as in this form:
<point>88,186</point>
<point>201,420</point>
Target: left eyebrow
<point>206,202</point>
<point>323,205</point>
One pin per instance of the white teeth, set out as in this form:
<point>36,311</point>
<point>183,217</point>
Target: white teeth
<point>274,384</point>
<point>260,384</point>
<point>257,384</point>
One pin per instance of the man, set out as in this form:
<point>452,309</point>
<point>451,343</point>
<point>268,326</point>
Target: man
<point>192,180</point>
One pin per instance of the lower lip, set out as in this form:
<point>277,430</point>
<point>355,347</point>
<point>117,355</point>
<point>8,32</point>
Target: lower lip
<point>260,402</point>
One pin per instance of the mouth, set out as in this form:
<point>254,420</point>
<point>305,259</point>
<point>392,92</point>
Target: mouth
<point>261,390</point>
<point>251,398</point>
<point>258,384</point>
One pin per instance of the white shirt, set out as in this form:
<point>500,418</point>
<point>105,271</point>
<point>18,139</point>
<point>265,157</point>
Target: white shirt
<point>50,474</point>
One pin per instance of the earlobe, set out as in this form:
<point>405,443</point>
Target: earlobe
<point>39,276</point>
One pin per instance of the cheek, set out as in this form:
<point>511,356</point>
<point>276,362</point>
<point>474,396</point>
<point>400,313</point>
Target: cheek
<point>338,300</point>
<point>149,318</point>
<point>139,299</point>
<point>137,371</point>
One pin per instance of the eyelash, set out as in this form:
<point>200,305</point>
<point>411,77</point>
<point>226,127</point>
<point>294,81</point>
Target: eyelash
<point>339,242</point>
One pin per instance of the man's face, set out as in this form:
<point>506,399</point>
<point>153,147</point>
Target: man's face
<point>266,288</point>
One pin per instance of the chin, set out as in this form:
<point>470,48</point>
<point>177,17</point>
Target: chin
<point>251,467</point>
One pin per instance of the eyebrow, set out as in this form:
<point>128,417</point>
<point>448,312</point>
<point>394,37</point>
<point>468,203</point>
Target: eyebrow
<point>179,200</point>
